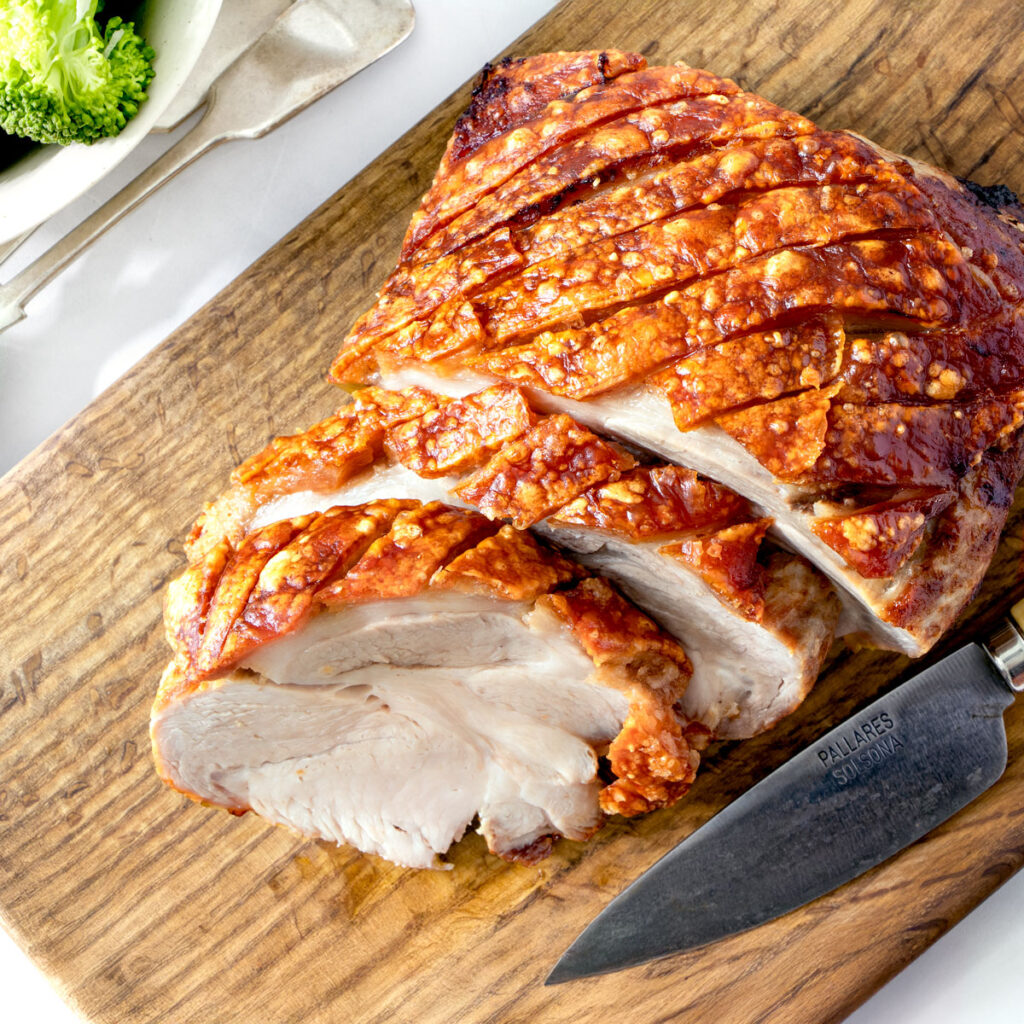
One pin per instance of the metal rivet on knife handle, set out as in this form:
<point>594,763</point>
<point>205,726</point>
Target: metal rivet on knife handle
<point>1006,648</point>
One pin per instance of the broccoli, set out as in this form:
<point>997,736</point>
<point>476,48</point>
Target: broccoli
<point>64,79</point>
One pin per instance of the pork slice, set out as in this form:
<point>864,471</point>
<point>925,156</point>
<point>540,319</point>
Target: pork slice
<point>391,727</point>
<point>879,611</point>
<point>454,676</point>
<point>747,674</point>
<point>782,622</point>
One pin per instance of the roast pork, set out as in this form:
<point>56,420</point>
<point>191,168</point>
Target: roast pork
<point>383,674</point>
<point>755,621</point>
<point>658,362</point>
<point>832,330</point>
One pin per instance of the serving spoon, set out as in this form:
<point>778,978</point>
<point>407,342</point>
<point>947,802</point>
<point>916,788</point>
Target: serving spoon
<point>311,48</point>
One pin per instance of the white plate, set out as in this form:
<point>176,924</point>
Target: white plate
<point>48,178</point>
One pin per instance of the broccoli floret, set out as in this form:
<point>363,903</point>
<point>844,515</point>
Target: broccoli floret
<point>64,79</point>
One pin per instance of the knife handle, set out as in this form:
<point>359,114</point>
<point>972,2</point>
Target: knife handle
<point>1006,647</point>
<point>1017,614</point>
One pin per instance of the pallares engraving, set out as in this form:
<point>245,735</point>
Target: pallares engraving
<point>859,746</point>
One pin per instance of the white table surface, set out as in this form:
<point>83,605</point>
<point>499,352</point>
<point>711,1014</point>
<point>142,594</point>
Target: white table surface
<point>155,269</point>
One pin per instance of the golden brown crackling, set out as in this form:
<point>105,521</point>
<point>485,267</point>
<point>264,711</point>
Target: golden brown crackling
<point>651,757</point>
<point>655,758</point>
<point>678,249</point>
<point>653,501</point>
<point>510,565</point>
<point>357,362</point>
<point>589,215</point>
<point>236,582</point>
<point>878,540</point>
<point>187,600</point>
<point>900,367</point>
<point>241,599</point>
<point>813,437</point>
<point>459,434</point>
<point>964,363</point>
<point>532,469</point>
<point>786,436</point>
<point>224,519</point>
<point>949,566</point>
<point>283,595</point>
<point>920,278</point>
<point>499,159</point>
<point>966,358</point>
<point>456,331</point>
<point>412,293</point>
<point>727,561</point>
<point>671,129</point>
<point>928,446</point>
<point>759,367</point>
<point>615,634</point>
<point>517,90</point>
<point>402,561</point>
<point>392,408</point>
<point>541,471</point>
<point>322,457</point>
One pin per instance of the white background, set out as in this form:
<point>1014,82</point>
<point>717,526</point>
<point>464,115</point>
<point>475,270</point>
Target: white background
<point>156,268</point>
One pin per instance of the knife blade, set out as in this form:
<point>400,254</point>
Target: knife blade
<point>882,779</point>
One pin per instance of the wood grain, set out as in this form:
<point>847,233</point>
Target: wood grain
<point>144,907</point>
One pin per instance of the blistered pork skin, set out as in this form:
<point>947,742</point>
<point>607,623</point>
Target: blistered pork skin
<point>832,330</point>
<point>686,550</point>
<point>382,674</point>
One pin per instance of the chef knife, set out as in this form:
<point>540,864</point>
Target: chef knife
<point>882,779</point>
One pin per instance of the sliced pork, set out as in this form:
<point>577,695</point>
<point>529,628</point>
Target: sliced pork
<point>756,623</point>
<point>383,674</point>
<point>655,352</point>
<point>833,331</point>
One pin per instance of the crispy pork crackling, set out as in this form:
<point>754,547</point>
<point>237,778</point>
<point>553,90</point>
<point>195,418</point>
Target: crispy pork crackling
<point>832,330</point>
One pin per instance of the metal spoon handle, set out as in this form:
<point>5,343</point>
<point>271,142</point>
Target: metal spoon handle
<point>311,48</point>
<point>17,292</point>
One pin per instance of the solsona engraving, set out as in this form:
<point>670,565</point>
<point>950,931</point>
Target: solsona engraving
<point>860,745</point>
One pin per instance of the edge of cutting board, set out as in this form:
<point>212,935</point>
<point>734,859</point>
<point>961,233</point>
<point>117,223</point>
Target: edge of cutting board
<point>143,907</point>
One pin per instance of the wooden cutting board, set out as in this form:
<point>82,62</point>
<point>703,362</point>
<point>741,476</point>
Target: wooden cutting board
<point>143,907</point>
